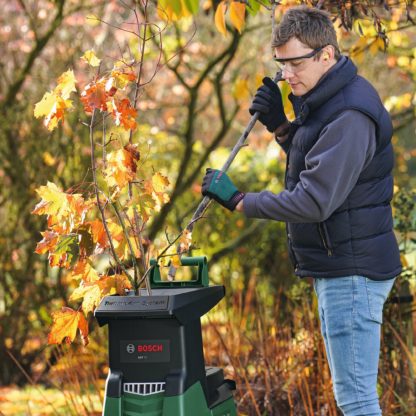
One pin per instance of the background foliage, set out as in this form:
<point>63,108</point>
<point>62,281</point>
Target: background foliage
<point>201,77</point>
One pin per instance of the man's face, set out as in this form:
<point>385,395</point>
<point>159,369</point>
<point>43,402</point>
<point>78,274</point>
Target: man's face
<point>303,74</point>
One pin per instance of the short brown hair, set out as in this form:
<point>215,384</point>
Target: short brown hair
<point>311,26</point>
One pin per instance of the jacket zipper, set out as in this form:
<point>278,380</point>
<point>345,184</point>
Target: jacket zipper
<point>324,239</point>
<point>291,251</point>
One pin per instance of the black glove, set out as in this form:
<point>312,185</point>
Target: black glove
<point>268,102</point>
<point>217,185</point>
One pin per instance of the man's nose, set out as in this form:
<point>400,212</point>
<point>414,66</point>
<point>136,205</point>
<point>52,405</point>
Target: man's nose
<point>286,74</point>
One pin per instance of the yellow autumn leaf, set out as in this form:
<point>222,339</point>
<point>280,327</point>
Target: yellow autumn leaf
<point>65,326</point>
<point>220,18</point>
<point>237,14</point>
<point>258,81</point>
<point>90,294</point>
<point>48,159</point>
<point>175,261</point>
<point>54,201</point>
<point>377,45</point>
<point>66,84</point>
<point>171,10</point>
<point>91,59</point>
<point>159,182</point>
<point>121,168</point>
<point>240,90</point>
<point>53,104</point>
<point>52,107</point>
<point>122,78</point>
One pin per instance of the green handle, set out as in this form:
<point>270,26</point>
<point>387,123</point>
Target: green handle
<point>201,281</point>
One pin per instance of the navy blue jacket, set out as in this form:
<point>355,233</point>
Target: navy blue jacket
<point>356,237</point>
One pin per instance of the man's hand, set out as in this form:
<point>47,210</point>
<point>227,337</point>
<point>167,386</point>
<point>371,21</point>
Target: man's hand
<point>268,102</point>
<point>217,185</point>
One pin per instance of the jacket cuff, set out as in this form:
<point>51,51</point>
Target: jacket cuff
<point>250,205</point>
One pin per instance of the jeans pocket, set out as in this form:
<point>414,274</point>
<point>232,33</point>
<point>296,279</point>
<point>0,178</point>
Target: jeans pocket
<point>377,292</point>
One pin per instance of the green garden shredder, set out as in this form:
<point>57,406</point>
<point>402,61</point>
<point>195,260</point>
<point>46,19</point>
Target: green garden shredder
<point>156,357</point>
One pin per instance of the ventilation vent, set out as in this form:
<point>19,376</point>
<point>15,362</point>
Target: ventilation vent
<point>144,389</point>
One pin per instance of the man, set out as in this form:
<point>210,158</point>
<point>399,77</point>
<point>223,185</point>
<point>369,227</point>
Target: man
<point>336,202</point>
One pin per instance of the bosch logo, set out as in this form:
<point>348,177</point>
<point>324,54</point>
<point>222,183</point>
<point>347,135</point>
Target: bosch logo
<point>150,348</point>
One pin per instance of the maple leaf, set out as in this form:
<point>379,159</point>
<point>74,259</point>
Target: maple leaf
<point>122,283</point>
<point>91,295</point>
<point>65,211</point>
<point>99,235</point>
<point>48,243</point>
<point>94,96</point>
<point>146,205</point>
<point>53,104</point>
<point>53,200</point>
<point>65,326</point>
<point>122,78</point>
<point>185,241</point>
<point>156,187</point>
<point>84,271</point>
<point>52,107</point>
<point>91,59</point>
<point>122,166</point>
<point>65,251</point>
<point>123,113</point>
<point>86,243</point>
<point>66,84</point>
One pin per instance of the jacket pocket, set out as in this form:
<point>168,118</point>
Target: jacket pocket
<point>325,238</point>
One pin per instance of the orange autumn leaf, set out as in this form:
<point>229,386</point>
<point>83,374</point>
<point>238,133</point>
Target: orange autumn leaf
<point>84,271</point>
<point>94,96</point>
<point>220,18</point>
<point>48,243</point>
<point>121,284</point>
<point>123,113</point>
<point>122,166</point>
<point>237,14</point>
<point>99,235</point>
<point>65,325</point>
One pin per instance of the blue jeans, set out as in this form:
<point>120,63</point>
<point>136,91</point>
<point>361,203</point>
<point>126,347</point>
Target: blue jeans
<point>350,311</point>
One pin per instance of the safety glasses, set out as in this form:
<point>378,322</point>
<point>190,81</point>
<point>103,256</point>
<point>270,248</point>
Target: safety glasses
<point>297,63</point>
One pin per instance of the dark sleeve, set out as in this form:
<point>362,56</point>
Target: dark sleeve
<point>333,165</point>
